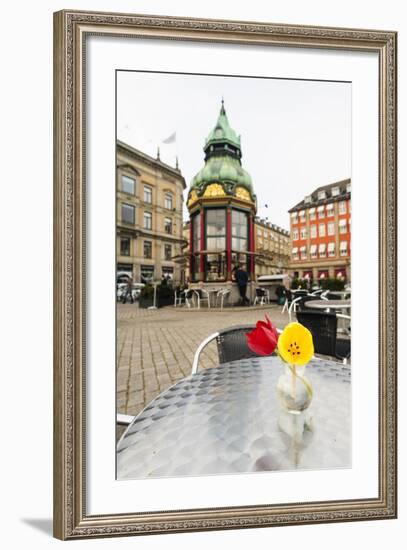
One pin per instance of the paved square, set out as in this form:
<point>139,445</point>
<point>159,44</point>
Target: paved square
<point>155,348</point>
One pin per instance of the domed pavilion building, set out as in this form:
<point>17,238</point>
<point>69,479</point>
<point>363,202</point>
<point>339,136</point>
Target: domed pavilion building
<point>222,207</point>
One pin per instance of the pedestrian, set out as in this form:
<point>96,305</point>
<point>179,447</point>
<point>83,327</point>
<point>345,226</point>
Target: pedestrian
<point>242,279</point>
<point>128,291</point>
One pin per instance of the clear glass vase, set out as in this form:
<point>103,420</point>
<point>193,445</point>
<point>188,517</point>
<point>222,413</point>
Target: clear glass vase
<point>294,390</point>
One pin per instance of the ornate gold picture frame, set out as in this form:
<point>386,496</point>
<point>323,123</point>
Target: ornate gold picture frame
<point>72,29</point>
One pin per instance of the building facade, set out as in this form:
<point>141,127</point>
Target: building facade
<point>149,216</point>
<point>272,246</point>
<point>320,233</point>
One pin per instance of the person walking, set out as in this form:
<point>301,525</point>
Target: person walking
<point>242,279</point>
<point>128,291</point>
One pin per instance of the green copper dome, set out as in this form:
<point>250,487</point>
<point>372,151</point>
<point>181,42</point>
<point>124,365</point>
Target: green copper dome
<point>222,169</point>
<point>222,160</point>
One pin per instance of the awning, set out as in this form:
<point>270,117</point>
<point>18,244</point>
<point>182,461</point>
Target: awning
<point>322,247</point>
<point>313,248</point>
<point>303,248</point>
<point>343,245</point>
<point>331,246</point>
<point>295,250</point>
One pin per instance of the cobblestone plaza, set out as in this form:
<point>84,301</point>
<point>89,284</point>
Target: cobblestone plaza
<point>155,348</point>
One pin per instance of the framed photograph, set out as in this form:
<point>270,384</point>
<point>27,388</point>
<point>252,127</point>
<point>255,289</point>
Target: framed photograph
<point>225,274</point>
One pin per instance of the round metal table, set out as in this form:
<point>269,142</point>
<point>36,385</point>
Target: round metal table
<point>328,304</point>
<point>228,419</point>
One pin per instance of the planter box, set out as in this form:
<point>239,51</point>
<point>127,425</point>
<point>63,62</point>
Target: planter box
<point>145,302</point>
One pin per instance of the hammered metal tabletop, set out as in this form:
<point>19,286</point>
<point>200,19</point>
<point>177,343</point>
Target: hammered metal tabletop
<point>228,419</point>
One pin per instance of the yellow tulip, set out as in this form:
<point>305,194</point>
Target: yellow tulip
<point>295,344</point>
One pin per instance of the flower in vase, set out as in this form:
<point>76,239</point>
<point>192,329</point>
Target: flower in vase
<point>263,339</point>
<point>295,344</point>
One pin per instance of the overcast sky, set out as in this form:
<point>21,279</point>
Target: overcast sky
<point>295,135</point>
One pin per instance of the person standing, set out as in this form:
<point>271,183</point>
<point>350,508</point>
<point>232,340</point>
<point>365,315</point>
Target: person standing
<point>128,291</point>
<point>242,279</point>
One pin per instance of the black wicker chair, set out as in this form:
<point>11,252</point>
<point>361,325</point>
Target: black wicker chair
<point>231,343</point>
<point>288,299</point>
<point>323,326</point>
<point>261,296</point>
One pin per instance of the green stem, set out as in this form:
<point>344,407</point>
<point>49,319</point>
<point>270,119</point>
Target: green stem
<point>307,385</point>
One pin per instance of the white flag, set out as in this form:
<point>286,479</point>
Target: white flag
<point>170,139</point>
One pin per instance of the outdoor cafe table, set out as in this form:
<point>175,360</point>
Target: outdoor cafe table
<point>228,419</point>
<point>328,304</point>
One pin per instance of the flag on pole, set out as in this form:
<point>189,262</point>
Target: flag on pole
<point>170,139</point>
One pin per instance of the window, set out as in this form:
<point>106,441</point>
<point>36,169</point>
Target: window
<point>167,252</point>
<point>322,230</point>
<point>295,235</point>
<point>313,231</point>
<point>331,228</point>
<point>148,250</point>
<point>348,188</point>
<point>294,217</point>
<point>313,251</point>
<point>303,253</point>
<point>215,229</point>
<point>147,273</point>
<point>321,195</point>
<point>330,210</point>
<point>312,214</point>
<point>239,231</point>
<point>342,227</point>
<point>295,253</point>
<point>307,199</point>
<point>259,232</point>
<point>331,250</point>
<point>128,185</point>
<point>302,216</point>
<point>322,250</point>
<point>168,273</point>
<point>128,213</point>
<point>321,211</point>
<point>148,194</point>
<point>303,233</point>
<point>196,245</point>
<point>168,225</point>
<point>148,220</point>
<point>168,201</point>
<point>342,207</point>
<point>125,246</point>
<point>343,248</point>
<point>335,191</point>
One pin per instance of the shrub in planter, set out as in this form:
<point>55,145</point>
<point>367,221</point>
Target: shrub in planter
<point>146,298</point>
<point>332,283</point>
<point>165,295</point>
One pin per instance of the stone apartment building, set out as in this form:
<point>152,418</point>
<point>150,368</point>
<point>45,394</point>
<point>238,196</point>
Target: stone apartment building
<point>149,216</point>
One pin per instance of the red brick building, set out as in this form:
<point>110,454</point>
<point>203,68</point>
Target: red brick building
<point>320,233</point>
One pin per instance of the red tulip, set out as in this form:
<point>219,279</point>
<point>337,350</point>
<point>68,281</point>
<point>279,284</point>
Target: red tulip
<point>263,339</point>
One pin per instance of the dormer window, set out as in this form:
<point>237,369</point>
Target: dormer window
<point>348,188</point>
<point>321,195</point>
<point>307,199</point>
<point>335,191</point>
